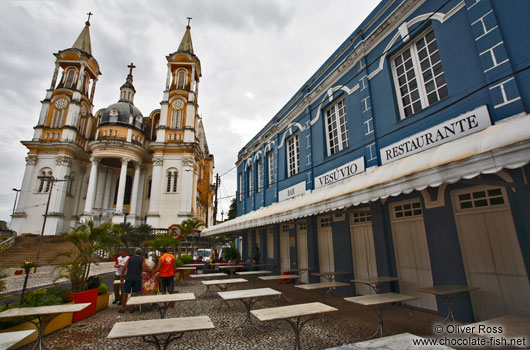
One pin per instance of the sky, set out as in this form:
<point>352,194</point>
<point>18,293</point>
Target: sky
<point>255,54</point>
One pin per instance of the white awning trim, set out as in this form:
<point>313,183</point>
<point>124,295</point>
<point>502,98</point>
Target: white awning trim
<point>504,145</point>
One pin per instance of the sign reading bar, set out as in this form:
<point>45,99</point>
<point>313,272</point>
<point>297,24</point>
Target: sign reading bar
<point>339,173</point>
<point>292,191</point>
<point>463,125</point>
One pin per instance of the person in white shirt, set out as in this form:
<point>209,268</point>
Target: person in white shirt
<point>119,264</point>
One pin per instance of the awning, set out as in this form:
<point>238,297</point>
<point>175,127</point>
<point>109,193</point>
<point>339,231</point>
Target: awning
<point>504,145</point>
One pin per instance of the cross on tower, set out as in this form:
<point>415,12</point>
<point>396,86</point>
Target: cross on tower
<point>131,66</point>
<point>189,19</point>
<point>89,14</point>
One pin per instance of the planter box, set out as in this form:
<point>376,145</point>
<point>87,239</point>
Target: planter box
<point>88,296</point>
<point>25,326</point>
<point>103,301</point>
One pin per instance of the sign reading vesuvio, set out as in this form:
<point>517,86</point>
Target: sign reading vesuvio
<point>340,173</point>
<point>465,124</point>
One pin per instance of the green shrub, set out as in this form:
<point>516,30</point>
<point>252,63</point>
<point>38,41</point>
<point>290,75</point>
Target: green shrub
<point>231,253</point>
<point>186,259</point>
<point>103,289</point>
<point>178,262</point>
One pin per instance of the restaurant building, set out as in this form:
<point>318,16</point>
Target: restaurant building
<point>406,154</point>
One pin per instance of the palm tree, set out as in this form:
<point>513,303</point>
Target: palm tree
<point>189,226</point>
<point>87,239</point>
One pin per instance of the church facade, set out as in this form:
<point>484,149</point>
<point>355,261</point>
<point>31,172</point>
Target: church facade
<point>116,164</point>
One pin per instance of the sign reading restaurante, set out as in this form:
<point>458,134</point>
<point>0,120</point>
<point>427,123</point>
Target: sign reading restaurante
<point>465,124</point>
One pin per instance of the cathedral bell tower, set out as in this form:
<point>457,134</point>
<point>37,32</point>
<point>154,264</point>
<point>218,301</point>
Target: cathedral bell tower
<point>54,165</point>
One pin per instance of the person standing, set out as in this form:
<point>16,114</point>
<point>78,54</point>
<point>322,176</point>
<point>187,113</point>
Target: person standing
<point>132,272</point>
<point>167,268</point>
<point>119,264</point>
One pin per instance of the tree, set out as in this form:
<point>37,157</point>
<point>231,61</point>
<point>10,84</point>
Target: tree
<point>188,227</point>
<point>135,236</point>
<point>232,211</point>
<point>87,239</point>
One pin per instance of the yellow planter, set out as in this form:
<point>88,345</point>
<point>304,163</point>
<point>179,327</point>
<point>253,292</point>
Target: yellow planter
<point>59,322</point>
<point>103,301</point>
<point>25,326</point>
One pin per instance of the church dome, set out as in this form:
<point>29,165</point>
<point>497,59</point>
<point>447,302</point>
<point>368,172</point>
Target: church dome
<point>123,113</point>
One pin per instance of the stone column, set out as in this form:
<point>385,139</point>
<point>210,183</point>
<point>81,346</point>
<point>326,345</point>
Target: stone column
<point>134,195</point>
<point>54,223</point>
<point>108,190</point>
<point>55,73</point>
<point>91,191</point>
<point>94,81</point>
<point>121,186</point>
<point>168,79</point>
<point>100,192</point>
<point>152,215</point>
<point>80,77</point>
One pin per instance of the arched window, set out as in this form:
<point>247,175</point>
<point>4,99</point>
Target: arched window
<point>45,180</point>
<point>181,79</point>
<point>176,119</point>
<point>171,177</point>
<point>71,184</point>
<point>70,78</point>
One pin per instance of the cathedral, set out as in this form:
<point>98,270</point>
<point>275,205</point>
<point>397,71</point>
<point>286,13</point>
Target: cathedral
<point>116,164</point>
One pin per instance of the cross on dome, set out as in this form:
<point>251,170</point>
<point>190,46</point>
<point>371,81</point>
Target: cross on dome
<point>131,67</point>
<point>189,20</point>
<point>89,14</point>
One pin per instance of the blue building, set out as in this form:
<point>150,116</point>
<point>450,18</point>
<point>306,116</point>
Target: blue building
<point>406,154</point>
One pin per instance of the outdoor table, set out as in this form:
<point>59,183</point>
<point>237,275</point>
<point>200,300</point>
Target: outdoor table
<point>294,315</point>
<point>330,275</point>
<point>164,299</point>
<point>209,275</point>
<point>192,265</point>
<point>248,297</point>
<point>513,326</point>
<point>252,275</point>
<point>279,278</point>
<point>223,285</point>
<point>182,269</point>
<point>232,268</point>
<point>375,281</point>
<point>324,287</point>
<point>40,312</point>
<point>393,342</point>
<point>9,339</point>
<point>448,292</point>
<point>251,265</point>
<point>376,302</point>
<point>173,327</point>
<point>300,271</point>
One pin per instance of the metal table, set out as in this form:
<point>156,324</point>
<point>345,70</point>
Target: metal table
<point>448,292</point>
<point>164,299</point>
<point>330,275</point>
<point>223,285</point>
<point>296,315</point>
<point>375,282</point>
<point>323,287</point>
<point>279,278</point>
<point>40,311</point>
<point>248,297</point>
<point>376,302</point>
<point>182,270</point>
<point>150,330</point>
<point>252,275</point>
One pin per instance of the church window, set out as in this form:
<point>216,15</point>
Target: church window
<point>70,78</point>
<point>172,175</point>
<point>47,135</point>
<point>45,180</point>
<point>149,188</point>
<point>181,79</point>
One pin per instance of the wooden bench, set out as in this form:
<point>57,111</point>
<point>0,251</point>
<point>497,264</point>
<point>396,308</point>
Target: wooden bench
<point>150,330</point>
<point>323,287</point>
<point>296,315</point>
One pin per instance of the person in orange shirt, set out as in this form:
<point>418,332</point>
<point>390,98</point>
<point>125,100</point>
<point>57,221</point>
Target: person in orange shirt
<point>166,267</point>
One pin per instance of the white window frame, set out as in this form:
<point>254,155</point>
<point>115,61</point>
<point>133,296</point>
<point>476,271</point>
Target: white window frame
<point>412,48</point>
<point>270,164</point>
<point>241,186</point>
<point>336,127</point>
<point>250,187</point>
<point>259,169</point>
<point>293,155</point>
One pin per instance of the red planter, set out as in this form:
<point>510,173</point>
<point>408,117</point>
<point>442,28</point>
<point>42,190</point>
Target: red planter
<point>88,296</point>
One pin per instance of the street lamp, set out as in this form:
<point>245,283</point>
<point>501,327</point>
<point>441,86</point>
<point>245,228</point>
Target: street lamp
<point>16,197</point>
